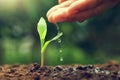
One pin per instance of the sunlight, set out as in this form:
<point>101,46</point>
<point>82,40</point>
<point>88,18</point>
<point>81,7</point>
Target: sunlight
<point>9,4</point>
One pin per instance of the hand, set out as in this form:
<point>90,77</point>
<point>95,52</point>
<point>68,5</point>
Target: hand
<point>78,10</point>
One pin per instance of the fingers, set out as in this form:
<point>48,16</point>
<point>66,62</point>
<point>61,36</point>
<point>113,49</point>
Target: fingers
<point>71,11</point>
<point>74,6</point>
<point>58,15</point>
<point>91,12</point>
<point>57,9</point>
<point>65,4</point>
<point>81,5</point>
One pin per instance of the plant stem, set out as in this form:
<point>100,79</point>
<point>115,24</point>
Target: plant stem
<point>42,59</point>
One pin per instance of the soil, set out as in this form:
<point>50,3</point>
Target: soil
<point>108,71</point>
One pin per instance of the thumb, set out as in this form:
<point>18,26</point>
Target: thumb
<point>60,1</point>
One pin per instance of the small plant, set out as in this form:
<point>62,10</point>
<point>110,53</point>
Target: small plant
<point>42,30</point>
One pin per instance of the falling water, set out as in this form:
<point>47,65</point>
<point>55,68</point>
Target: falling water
<point>61,58</point>
<point>59,42</point>
<point>60,51</point>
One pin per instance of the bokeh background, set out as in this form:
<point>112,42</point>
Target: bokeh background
<point>96,40</point>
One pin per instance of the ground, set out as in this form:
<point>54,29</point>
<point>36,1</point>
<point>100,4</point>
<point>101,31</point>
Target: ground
<point>108,71</point>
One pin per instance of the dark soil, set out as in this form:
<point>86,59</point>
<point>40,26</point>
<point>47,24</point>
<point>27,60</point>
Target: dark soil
<point>108,71</point>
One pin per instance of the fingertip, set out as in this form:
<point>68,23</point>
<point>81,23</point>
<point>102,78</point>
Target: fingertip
<point>47,14</point>
<point>52,19</point>
<point>49,17</point>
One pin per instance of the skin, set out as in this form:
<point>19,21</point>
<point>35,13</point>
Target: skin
<point>78,10</point>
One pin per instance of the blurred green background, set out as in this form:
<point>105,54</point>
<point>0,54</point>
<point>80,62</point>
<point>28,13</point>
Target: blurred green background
<point>96,40</point>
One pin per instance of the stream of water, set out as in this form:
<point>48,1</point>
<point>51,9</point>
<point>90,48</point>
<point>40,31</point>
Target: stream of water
<point>59,42</point>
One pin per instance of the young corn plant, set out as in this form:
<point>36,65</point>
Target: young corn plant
<point>42,30</point>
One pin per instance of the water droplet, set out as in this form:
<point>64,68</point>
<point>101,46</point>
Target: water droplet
<point>59,40</point>
<point>60,51</point>
<point>61,59</point>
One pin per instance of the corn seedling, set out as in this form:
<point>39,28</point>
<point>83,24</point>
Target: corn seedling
<point>42,30</point>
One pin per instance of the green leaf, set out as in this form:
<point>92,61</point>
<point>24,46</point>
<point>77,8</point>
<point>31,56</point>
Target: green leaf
<point>48,42</point>
<point>56,37</point>
<point>42,30</point>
